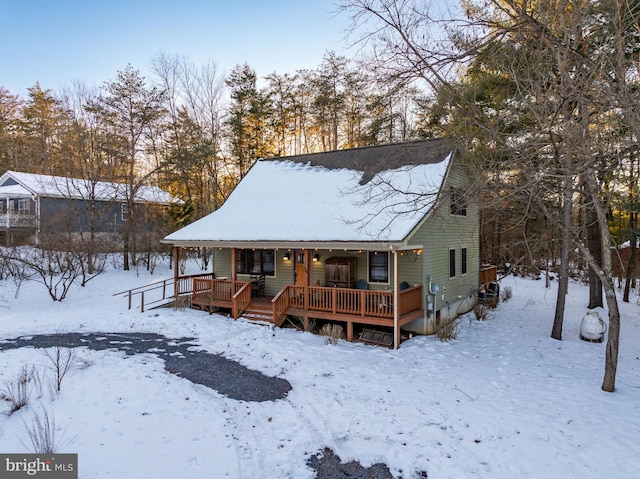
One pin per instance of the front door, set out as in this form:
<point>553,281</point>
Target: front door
<point>302,268</point>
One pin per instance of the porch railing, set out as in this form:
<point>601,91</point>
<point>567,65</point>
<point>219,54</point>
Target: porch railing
<point>222,292</point>
<point>236,295</point>
<point>410,300</point>
<point>17,220</point>
<point>184,285</point>
<point>371,303</point>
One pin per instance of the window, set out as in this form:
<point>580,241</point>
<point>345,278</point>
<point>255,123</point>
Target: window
<point>463,261</point>
<point>458,202</point>
<point>24,207</point>
<point>378,267</point>
<point>256,262</point>
<point>452,263</point>
<point>124,212</point>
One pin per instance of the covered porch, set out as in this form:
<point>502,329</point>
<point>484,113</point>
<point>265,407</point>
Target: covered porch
<point>311,294</point>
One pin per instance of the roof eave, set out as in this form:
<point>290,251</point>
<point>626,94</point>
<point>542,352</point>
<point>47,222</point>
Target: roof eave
<point>271,244</point>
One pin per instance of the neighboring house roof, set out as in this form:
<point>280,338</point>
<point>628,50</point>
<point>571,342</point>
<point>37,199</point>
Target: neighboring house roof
<point>13,183</point>
<point>373,194</point>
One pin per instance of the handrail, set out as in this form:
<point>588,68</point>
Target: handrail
<point>280,304</point>
<point>190,277</point>
<point>241,299</point>
<point>165,285</point>
<point>152,287</point>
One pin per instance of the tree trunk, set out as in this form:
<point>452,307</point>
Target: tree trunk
<point>630,273</point>
<point>606,276</point>
<point>594,245</point>
<point>613,337</point>
<point>125,252</point>
<point>563,280</point>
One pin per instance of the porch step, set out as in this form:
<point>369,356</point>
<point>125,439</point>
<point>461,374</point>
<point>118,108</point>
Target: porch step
<point>258,318</point>
<point>259,312</point>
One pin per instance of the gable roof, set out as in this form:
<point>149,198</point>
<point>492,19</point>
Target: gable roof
<point>13,183</point>
<point>363,195</point>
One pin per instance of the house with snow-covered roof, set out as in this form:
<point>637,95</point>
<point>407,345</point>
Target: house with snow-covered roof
<point>33,205</point>
<point>380,239</point>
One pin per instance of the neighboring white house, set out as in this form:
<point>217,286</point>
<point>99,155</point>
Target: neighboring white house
<point>32,204</point>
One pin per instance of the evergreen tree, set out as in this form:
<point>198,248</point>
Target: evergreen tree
<point>128,110</point>
<point>249,119</point>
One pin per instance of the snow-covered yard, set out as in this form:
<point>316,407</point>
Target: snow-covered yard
<point>503,400</point>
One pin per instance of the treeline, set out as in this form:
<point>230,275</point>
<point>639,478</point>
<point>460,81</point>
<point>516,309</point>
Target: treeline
<point>196,132</point>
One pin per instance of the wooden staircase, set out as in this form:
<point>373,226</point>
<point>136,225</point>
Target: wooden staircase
<point>260,310</point>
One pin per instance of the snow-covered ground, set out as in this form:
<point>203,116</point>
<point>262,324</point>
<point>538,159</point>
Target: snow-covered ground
<point>503,400</point>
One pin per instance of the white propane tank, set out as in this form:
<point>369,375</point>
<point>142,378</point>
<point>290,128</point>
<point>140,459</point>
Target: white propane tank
<point>592,327</point>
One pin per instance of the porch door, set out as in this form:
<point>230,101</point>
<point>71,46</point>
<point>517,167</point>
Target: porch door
<point>301,268</point>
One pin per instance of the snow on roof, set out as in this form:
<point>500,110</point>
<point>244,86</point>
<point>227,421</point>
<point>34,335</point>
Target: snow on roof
<point>293,200</point>
<point>27,184</point>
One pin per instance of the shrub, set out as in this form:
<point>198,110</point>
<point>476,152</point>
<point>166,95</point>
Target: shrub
<point>481,311</point>
<point>17,393</point>
<point>43,434</point>
<point>332,333</point>
<point>506,294</point>
<point>447,330</point>
<point>61,360</point>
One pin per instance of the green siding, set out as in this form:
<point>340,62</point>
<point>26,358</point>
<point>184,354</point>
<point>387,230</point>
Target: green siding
<point>283,276</point>
<point>441,232</point>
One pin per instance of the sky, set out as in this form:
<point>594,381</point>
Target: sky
<point>60,42</point>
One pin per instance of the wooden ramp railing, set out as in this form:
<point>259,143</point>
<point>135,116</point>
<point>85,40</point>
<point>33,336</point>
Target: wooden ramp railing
<point>161,292</point>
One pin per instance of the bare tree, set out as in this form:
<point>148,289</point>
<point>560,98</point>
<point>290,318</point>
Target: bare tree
<point>562,92</point>
<point>194,163</point>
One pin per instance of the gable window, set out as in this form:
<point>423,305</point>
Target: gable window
<point>452,263</point>
<point>378,267</point>
<point>458,202</point>
<point>124,212</point>
<point>256,262</point>
<point>463,261</point>
<point>24,207</point>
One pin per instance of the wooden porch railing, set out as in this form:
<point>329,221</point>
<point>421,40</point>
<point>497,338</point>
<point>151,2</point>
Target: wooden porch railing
<point>223,293</point>
<point>184,285</point>
<point>370,303</point>
<point>410,300</point>
<point>337,303</point>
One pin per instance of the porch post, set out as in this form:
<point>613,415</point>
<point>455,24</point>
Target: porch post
<point>234,271</point>
<point>176,271</point>
<point>396,298</point>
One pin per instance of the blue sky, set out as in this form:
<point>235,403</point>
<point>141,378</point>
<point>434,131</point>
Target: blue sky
<point>56,42</point>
